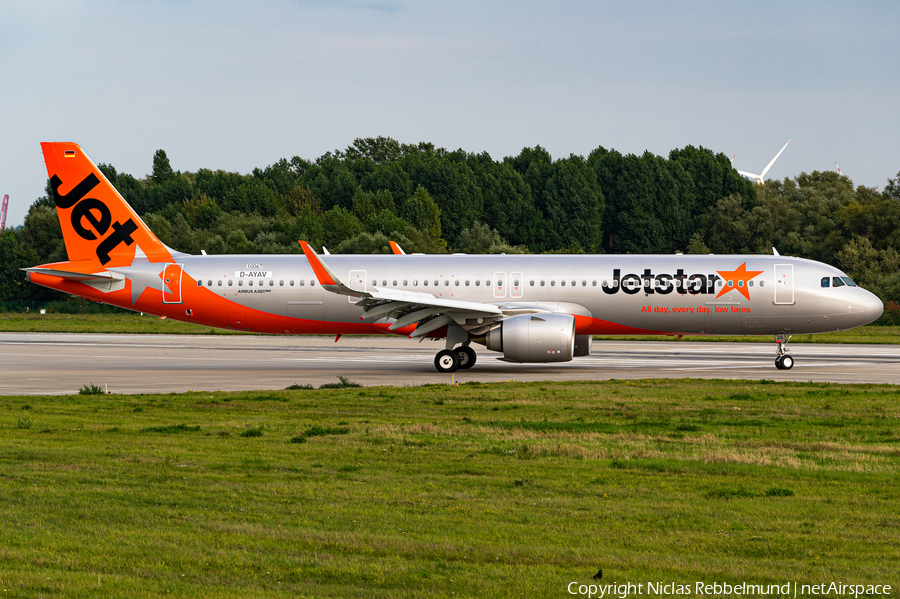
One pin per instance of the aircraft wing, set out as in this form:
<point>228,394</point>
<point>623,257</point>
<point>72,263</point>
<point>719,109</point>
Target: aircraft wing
<point>410,307</point>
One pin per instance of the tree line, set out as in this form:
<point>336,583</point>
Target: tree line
<point>432,200</point>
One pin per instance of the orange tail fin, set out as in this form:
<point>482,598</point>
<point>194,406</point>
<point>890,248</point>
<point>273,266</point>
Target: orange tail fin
<point>97,224</point>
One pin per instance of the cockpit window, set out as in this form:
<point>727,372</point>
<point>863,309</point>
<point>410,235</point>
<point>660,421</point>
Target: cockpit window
<point>849,281</point>
<point>837,281</point>
<point>826,281</point>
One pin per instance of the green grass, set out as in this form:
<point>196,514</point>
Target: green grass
<point>500,490</point>
<point>11,322</point>
<point>135,323</point>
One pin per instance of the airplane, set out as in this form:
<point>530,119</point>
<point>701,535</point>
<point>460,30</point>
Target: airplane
<point>528,308</point>
<point>759,178</point>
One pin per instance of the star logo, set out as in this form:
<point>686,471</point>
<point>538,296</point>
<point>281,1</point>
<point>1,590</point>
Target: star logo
<point>737,279</point>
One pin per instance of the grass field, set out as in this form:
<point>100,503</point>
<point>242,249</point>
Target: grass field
<point>501,490</point>
<point>134,323</point>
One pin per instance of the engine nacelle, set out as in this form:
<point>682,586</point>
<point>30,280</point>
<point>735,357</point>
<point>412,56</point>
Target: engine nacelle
<point>583,345</point>
<point>534,338</point>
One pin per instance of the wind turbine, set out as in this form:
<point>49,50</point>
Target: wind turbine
<point>759,178</point>
<point>875,189</point>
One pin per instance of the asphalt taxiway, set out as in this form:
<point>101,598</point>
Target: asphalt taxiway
<point>53,363</point>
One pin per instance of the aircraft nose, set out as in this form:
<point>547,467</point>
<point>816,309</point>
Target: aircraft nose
<point>872,306</point>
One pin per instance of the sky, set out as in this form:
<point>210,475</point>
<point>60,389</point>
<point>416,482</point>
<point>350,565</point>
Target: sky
<point>237,85</point>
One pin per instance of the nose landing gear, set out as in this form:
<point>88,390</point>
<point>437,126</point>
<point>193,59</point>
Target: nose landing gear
<point>782,360</point>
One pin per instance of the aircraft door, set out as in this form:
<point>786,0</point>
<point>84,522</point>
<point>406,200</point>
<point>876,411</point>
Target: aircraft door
<point>499,284</point>
<point>172,284</point>
<point>516,285</point>
<point>784,283</point>
<point>356,281</point>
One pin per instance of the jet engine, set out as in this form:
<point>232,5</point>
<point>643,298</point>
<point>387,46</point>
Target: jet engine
<point>535,338</point>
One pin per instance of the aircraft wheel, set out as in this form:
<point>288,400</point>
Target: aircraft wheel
<point>787,363</point>
<point>446,361</point>
<point>778,364</point>
<point>466,357</point>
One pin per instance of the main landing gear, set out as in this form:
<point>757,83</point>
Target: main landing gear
<point>782,360</point>
<point>451,360</point>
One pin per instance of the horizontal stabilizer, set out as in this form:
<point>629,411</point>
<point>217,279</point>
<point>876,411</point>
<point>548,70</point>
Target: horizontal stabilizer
<point>83,277</point>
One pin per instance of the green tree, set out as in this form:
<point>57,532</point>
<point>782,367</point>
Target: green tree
<point>876,270</point>
<point>423,213</point>
<point>12,280</point>
<point>298,197</point>
<point>452,186</point>
<point>41,233</point>
<point>481,239</point>
<point>508,204</point>
<point>365,243</point>
<point>339,224</point>
<point>573,203</point>
<point>162,170</point>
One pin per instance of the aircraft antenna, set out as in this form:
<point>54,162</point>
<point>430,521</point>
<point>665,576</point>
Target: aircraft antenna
<point>3,212</point>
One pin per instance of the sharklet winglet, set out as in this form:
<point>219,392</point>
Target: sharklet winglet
<point>327,279</point>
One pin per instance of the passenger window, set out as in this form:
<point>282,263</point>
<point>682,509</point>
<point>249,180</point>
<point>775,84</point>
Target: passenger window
<point>553,282</point>
<point>425,282</point>
<point>719,283</point>
<point>562,283</point>
<point>583,283</point>
<point>531,282</point>
<point>456,282</point>
<point>415,282</point>
<point>405,283</point>
<point>220,282</point>
<point>740,283</point>
<point>395,282</point>
<point>595,284</point>
<point>750,283</point>
<point>837,282</point>
<point>292,282</point>
<point>281,282</point>
<point>762,283</point>
<point>446,282</point>
<point>199,283</point>
<point>271,282</point>
<point>250,282</point>
<point>374,283</point>
<point>312,283</point>
<point>436,282</point>
<point>542,283</point>
<point>384,283</point>
<point>573,283</point>
<point>478,282</point>
<point>487,283</point>
<point>499,283</point>
<point>516,283</point>
<point>230,282</point>
<point>467,282</point>
<point>302,282</point>
<point>241,283</point>
<point>826,282</point>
